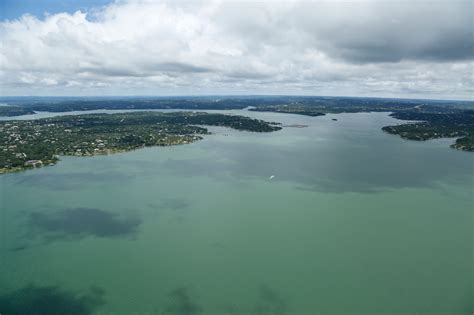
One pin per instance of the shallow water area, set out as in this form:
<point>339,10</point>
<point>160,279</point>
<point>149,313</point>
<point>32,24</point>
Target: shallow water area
<point>335,218</point>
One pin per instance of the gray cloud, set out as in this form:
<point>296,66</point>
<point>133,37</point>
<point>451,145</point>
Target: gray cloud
<point>395,31</point>
<point>382,48</point>
<point>179,67</point>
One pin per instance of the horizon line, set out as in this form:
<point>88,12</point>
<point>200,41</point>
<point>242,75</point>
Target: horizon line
<point>233,95</point>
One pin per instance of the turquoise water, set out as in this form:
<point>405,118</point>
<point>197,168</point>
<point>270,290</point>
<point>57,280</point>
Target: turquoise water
<point>354,221</point>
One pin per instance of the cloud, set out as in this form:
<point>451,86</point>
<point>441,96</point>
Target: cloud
<point>393,31</point>
<point>354,47</point>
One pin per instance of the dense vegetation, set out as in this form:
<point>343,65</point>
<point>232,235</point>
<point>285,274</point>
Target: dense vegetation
<point>458,124</point>
<point>97,103</point>
<point>307,105</point>
<point>32,143</point>
<point>15,111</point>
<point>322,107</point>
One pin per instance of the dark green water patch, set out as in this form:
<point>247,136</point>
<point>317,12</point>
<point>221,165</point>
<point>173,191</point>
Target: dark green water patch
<point>180,302</point>
<point>81,222</point>
<point>50,300</point>
<point>270,302</point>
<point>175,208</point>
<point>18,248</point>
<point>173,204</point>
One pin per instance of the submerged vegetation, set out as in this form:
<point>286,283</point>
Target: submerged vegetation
<point>33,143</point>
<point>34,299</point>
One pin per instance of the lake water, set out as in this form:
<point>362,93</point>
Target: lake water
<point>354,221</point>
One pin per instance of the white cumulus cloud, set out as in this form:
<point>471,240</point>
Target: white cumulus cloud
<point>378,48</point>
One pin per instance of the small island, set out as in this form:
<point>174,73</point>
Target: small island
<point>26,144</point>
<point>295,126</point>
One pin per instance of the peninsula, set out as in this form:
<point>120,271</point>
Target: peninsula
<point>427,125</point>
<point>27,144</point>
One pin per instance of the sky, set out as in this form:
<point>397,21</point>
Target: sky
<point>384,48</point>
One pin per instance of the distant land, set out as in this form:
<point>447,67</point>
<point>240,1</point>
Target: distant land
<point>30,143</point>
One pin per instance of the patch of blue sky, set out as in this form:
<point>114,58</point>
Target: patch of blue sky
<point>14,9</point>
